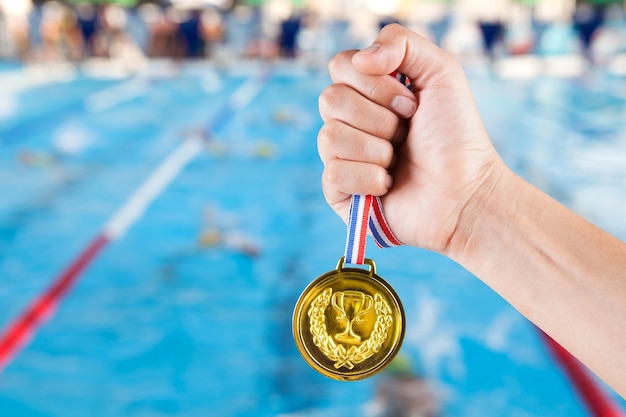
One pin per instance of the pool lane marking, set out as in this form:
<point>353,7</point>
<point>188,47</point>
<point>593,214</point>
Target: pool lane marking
<point>592,395</point>
<point>21,331</point>
<point>151,188</point>
<point>117,94</point>
<point>23,328</point>
<point>32,76</point>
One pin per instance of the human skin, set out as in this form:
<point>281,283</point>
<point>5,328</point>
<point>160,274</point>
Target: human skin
<point>445,188</point>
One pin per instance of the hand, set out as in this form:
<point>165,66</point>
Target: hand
<point>426,152</point>
<point>445,188</point>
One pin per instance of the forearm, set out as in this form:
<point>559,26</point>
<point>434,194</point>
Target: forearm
<point>564,274</point>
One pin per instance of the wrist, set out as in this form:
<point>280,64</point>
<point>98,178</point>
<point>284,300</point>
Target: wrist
<point>481,216</point>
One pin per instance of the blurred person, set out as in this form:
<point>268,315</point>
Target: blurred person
<point>287,38</point>
<point>15,32</point>
<point>463,39</point>
<point>37,159</point>
<point>150,14</point>
<point>233,240</point>
<point>439,28</point>
<point>138,29</point>
<point>238,24</point>
<point>213,31</point>
<point>219,230</point>
<point>558,39</point>
<point>59,32</point>
<point>124,48</point>
<point>363,25</point>
<point>165,39</point>
<point>609,40</point>
<point>445,188</point>
<point>587,19</point>
<point>112,22</point>
<point>519,38</point>
<point>190,29</point>
<point>402,392</point>
<point>492,32</point>
<point>69,140</point>
<point>260,46</point>
<point>87,15</point>
<point>46,161</point>
<point>430,19</point>
<point>315,41</point>
<point>105,35</point>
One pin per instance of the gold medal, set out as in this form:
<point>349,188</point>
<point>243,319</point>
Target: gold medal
<point>349,323</point>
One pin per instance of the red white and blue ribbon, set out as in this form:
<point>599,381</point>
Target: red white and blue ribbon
<point>366,217</point>
<point>360,207</point>
<point>403,79</point>
<point>378,227</point>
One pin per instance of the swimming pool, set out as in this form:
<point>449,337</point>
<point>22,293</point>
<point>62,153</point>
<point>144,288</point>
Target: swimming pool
<point>162,325</point>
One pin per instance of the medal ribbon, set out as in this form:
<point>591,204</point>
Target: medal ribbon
<point>366,216</point>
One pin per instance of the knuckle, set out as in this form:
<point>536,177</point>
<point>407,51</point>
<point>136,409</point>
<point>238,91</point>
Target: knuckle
<point>332,173</point>
<point>334,63</point>
<point>323,137</point>
<point>375,90</point>
<point>451,73</point>
<point>379,181</point>
<point>453,68</point>
<point>392,28</point>
<point>329,99</point>
<point>387,125</point>
<point>328,134</point>
<point>322,101</point>
<point>386,154</point>
<point>327,140</point>
<point>337,63</point>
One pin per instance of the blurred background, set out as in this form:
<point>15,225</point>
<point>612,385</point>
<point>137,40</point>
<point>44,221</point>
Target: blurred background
<point>161,208</point>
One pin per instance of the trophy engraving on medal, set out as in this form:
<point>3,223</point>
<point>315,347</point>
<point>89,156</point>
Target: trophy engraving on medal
<point>351,305</point>
<point>349,323</point>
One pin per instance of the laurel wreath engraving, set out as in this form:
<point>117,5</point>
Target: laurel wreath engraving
<point>337,352</point>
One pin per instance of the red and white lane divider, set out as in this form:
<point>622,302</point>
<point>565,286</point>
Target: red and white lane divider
<point>592,395</point>
<point>20,331</point>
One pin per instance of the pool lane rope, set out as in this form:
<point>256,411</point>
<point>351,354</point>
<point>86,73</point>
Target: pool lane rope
<point>19,332</point>
<point>589,390</point>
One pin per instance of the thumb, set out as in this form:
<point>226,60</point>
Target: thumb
<point>398,48</point>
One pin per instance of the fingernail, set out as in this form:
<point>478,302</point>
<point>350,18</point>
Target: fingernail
<point>404,106</point>
<point>389,182</point>
<point>369,50</point>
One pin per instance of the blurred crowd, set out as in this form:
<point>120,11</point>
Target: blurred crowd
<point>58,31</point>
<point>73,31</point>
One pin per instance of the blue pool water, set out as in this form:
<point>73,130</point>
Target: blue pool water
<point>158,325</point>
